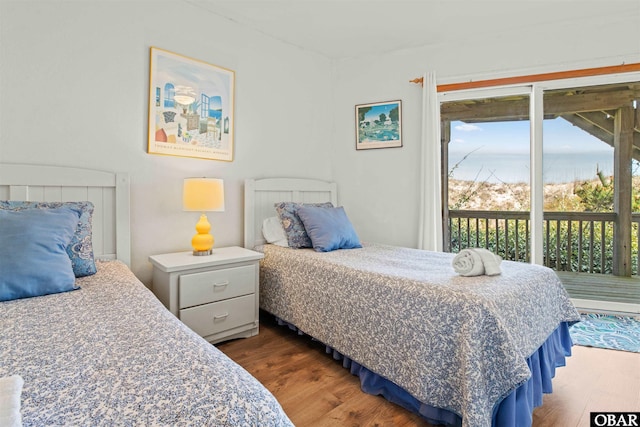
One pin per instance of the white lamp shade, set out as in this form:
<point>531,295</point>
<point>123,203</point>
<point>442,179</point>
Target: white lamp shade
<point>203,195</point>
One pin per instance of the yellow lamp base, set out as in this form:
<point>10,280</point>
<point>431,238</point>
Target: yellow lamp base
<point>202,242</point>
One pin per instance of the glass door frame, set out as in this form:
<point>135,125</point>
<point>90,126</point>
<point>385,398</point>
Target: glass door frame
<point>535,91</point>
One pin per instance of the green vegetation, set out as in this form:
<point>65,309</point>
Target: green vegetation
<point>590,249</point>
<point>362,111</point>
<point>394,115</point>
<point>577,244</point>
<point>597,196</point>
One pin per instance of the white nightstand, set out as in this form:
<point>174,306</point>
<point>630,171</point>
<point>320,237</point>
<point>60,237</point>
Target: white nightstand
<point>215,295</point>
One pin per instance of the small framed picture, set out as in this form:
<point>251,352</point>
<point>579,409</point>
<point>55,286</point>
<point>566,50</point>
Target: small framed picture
<point>379,125</point>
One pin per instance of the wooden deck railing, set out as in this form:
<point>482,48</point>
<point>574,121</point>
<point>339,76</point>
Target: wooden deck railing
<point>573,241</point>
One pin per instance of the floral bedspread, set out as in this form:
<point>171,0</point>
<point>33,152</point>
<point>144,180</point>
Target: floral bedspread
<point>111,354</point>
<point>457,343</point>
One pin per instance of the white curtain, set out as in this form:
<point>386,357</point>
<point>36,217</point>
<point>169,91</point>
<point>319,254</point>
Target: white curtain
<point>430,231</point>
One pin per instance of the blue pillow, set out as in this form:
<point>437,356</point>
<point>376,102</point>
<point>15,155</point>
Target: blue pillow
<point>297,236</point>
<point>33,256</point>
<point>328,228</point>
<point>80,250</point>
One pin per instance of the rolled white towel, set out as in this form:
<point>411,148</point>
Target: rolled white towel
<point>468,263</point>
<point>490,260</point>
<point>10,394</point>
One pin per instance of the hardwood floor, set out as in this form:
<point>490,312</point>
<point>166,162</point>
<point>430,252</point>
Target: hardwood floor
<point>316,390</point>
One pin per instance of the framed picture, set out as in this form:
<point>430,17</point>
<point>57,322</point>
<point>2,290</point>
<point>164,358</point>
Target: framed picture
<point>379,125</point>
<point>191,106</point>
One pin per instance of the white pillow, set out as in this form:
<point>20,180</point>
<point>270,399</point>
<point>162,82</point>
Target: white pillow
<point>273,232</point>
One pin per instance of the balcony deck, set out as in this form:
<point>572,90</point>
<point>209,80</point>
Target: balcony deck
<point>578,245</point>
<point>603,292</point>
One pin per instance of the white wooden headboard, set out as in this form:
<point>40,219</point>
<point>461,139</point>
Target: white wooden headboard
<point>109,192</point>
<point>260,195</point>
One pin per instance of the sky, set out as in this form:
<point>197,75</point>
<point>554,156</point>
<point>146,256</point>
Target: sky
<point>376,110</point>
<point>499,152</point>
<point>559,136</point>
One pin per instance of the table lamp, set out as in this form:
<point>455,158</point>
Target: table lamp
<point>203,195</point>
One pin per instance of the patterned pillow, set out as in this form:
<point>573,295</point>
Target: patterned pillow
<point>293,227</point>
<point>80,249</point>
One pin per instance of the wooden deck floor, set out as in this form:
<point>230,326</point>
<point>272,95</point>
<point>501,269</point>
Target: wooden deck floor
<point>618,294</point>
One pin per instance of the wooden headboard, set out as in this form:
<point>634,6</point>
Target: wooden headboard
<point>109,192</point>
<point>260,195</point>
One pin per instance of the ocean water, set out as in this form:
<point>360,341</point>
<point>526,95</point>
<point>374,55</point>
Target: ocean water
<point>514,167</point>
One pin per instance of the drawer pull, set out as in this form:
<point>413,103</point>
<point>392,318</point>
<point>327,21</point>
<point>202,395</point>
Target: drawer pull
<point>220,284</point>
<point>220,316</point>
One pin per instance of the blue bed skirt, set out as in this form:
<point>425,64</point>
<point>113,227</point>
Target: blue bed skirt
<point>516,409</point>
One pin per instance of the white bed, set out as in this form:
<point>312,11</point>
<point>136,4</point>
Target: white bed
<point>109,193</point>
<point>461,351</point>
<point>109,353</point>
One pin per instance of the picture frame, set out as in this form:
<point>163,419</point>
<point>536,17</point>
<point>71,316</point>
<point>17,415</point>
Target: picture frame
<point>191,107</point>
<point>379,125</point>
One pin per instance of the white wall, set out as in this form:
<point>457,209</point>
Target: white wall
<point>379,188</point>
<point>74,89</point>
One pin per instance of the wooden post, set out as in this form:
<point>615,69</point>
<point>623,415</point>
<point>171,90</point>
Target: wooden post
<point>623,148</point>
<point>445,136</point>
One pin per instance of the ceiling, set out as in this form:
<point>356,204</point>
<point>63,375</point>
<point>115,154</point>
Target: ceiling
<point>341,29</point>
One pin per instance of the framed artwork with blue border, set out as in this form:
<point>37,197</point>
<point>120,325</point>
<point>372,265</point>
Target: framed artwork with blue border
<point>191,107</point>
<point>379,125</point>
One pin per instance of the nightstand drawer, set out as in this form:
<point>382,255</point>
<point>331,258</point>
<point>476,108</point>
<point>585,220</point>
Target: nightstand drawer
<point>215,295</point>
<point>217,285</point>
<point>220,316</point>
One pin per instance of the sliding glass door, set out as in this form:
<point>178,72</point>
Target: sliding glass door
<point>487,174</point>
<point>545,173</point>
<point>592,129</point>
